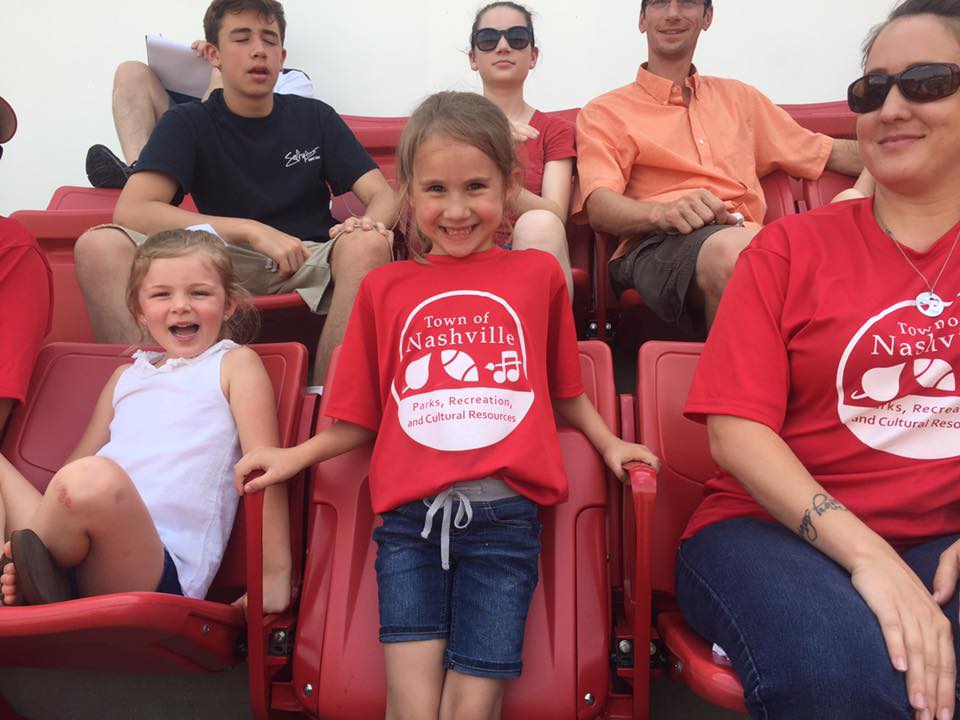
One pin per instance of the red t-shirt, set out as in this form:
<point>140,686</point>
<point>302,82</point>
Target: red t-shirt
<point>556,142</point>
<point>819,338</point>
<point>26,307</point>
<point>453,363</point>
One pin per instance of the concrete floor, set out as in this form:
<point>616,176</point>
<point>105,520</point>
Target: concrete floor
<point>48,695</point>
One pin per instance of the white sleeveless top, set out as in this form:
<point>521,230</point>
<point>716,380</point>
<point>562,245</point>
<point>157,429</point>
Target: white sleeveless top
<point>174,435</point>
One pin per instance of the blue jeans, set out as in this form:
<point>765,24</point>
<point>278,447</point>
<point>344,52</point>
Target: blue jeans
<point>480,604</point>
<point>801,639</point>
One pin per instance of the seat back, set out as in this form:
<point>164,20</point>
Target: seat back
<point>338,665</point>
<point>664,374</point>
<point>72,197</point>
<point>56,233</point>
<point>820,192</point>
<point>778,194</point>
<point>64,388</point>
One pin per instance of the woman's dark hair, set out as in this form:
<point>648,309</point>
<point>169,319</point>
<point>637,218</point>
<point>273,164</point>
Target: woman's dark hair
<point>948,10</point>
<point>527,16</point>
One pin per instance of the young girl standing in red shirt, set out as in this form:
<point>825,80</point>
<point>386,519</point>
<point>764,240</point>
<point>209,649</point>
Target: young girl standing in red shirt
<point>455,361</point>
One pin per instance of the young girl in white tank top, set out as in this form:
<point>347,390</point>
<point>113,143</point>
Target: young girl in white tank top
<point>147,499</point>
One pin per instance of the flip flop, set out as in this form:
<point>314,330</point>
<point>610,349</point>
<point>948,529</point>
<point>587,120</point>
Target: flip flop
<point>39,579</point>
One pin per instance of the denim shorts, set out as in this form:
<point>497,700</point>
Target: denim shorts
<point>480,604</point>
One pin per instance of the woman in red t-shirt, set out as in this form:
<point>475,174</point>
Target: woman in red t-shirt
<point>503,52</point>
<point>830,392</point>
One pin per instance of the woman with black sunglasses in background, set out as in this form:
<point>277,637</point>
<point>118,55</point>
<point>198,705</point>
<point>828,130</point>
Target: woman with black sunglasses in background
<point>824,556</point>
<point>503,52</point>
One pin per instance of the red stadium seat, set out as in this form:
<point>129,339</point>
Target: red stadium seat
<point>56,233</point>
<point>337,665</point>
<point>145,632</point>
<point>820,192</point>
<point>72,197</point>
<point>658,512</point>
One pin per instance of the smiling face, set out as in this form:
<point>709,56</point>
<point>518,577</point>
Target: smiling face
<point>182,304</point>
<point>673,28</point>
<point>503,65</point>
<point>458,196</point>
<point>249,54</point>
<point>912,147</point>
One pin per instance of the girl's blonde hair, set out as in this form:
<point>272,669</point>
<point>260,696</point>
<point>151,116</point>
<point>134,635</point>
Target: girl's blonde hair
<point>244,323</point>
<point>463,117</point>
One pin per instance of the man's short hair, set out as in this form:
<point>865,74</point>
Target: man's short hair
<point>706,4</point>
<point>213,18</point>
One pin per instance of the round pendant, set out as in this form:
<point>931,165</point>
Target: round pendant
<point>930,304</point>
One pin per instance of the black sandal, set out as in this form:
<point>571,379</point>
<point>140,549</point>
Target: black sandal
<point>39,579</point>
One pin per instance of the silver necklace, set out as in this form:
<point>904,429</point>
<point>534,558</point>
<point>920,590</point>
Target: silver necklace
<point>928,303</point>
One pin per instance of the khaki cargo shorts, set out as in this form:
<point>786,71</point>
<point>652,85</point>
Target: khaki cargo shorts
<point>310,282</point>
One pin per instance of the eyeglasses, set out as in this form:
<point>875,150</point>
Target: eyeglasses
<point>487,39</point>
<point>919,83</point>
<point>684,4</point>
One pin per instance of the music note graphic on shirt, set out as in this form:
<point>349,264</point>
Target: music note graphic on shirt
<point>507,369</point>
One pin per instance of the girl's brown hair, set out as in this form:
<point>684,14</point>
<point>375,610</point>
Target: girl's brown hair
<point>244,323</point>
<point>463,117</point>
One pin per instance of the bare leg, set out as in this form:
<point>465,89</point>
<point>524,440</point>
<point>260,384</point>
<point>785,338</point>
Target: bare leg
<point>415,678</point>
<point>715,263</point>
<point>542,230</point>
<point>466,697</point>
<point>138,102</point>
<point>354,256</point>
<point>92,516</point>
<point>18,497</point>
<point>103,259</point>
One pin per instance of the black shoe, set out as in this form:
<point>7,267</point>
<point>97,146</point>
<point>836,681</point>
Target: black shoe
<point>106,170</point>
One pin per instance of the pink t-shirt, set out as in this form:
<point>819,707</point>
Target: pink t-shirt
<point>453,363</point>
<point>819,338</point>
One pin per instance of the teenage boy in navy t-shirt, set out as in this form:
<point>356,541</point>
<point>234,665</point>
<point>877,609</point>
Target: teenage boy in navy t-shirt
<point>260,168</point>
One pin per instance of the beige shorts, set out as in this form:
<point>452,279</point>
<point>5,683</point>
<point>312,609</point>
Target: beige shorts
<point>310,282</point>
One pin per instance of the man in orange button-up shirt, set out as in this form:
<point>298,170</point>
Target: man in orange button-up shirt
<point>664,163</point>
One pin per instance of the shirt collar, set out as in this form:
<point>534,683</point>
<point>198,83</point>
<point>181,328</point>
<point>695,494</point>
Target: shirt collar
<point>661,89</point>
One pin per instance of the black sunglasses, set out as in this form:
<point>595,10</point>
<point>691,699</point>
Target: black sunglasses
<point>486,39</point>
<point>919,83</point>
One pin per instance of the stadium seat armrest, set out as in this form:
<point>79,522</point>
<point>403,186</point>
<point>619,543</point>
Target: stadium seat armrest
<point>643,495</point>
<point>256,627</point>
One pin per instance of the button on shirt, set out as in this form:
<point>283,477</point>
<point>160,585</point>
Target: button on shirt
<point>643,141</point>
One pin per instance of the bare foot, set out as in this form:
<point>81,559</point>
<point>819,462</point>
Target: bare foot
<point>8,579</point>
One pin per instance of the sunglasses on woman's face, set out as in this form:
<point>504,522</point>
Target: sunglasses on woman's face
<point>919,83</point>
<point>487,39</point>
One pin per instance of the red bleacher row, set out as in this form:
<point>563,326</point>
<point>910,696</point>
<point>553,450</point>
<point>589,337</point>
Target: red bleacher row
<point>607,558</point>
<point>606,570</point>
<point>72,210</point>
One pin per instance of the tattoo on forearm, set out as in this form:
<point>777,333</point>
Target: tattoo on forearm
<point>821,504</point>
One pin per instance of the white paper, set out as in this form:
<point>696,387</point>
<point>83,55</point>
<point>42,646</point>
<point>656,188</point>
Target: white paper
<point>178,66</point>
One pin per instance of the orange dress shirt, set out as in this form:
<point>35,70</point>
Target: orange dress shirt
<point>643,142</point>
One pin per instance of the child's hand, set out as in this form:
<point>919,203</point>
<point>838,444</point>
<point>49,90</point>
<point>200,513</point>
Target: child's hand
<point>620,452</point>
<point>277,464</point>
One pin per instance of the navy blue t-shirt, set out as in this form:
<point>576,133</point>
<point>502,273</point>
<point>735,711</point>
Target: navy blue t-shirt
<point>278,169</point>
